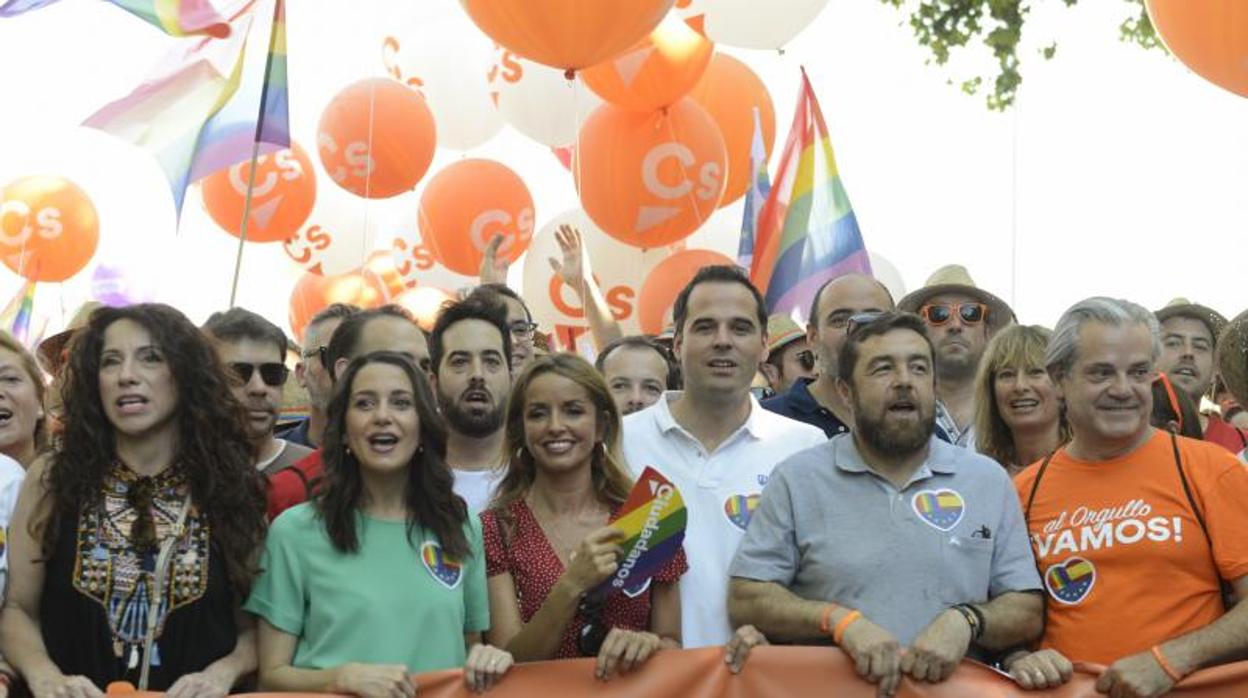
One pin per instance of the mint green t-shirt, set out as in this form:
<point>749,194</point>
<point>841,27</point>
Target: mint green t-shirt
<point>392,602</point>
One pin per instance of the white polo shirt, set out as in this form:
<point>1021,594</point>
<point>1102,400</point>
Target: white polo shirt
<point>720,490</point>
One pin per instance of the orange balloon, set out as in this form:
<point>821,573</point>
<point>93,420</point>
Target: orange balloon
<point>468,203</point>
<point>665,282</point>
<point>659,70</point>
<point>649,179</point>
<point>424,303</point>
<point>730,92</point>
<point>571,34</point>
<point>376,138</point>
<point>48,228</point>
<point>1209,36</point>
<point>281,197</point>
<point>313,293</point>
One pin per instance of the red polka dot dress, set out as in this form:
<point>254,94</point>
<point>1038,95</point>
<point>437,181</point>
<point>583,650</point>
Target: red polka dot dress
<point>535,568</point>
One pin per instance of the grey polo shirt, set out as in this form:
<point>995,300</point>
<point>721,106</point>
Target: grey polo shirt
<point>829,528</point>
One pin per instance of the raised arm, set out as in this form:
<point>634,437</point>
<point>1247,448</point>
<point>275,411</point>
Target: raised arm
<point>594,560</point>
<point>577,274</point>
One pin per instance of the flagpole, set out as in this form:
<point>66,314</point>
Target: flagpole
<point>255,154</point>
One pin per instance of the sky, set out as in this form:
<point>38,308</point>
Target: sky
<point>1118,172</point>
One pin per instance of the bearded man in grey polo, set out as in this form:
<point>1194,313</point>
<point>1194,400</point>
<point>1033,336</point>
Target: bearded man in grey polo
<point>889,538</point>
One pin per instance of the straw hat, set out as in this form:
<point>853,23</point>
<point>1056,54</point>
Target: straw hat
<point>48,353</point>
<point>1182,307</point>
<point>954,278</point>
<point>781,332</point>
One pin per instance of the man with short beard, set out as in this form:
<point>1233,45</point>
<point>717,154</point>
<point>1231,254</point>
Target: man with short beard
<point>253,350</point>
<point>469,352</point>
<point>960,318</point>
<point>946,568</point>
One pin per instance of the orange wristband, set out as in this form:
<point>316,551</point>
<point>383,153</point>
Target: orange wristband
<point>841,627</point>
<point>825,623</point>
<point>1165,665</point>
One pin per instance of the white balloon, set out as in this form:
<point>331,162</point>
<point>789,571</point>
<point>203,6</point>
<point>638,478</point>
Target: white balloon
<point>886,273</point>
<point>619,269</point>
<point>538,100</point>
<point>448,61</point>
<point>415,261</point>
<point>764,24</point>
<point>338,235</point>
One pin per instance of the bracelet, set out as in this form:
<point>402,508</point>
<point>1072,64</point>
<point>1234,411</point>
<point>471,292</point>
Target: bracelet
<point>1165,665</point>
<point>974,618</point>
<point>841,627</point>
<point>825,622</point>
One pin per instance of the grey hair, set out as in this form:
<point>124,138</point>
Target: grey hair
<point>1059,356</point>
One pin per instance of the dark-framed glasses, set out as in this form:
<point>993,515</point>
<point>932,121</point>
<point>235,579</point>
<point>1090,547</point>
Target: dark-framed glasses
<point>522,329</point>
<point>273,374</point>
<point>321,353</point>
<point>859,319</point>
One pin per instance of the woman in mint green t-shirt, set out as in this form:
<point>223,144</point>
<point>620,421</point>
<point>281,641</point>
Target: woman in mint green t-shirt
<point>382,575</point>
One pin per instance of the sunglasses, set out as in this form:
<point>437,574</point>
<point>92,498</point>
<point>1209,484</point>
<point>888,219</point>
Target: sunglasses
<point>969,313</point>
<point>321,353</point>
<point>860,319</point>
<point>273,374</point>
<point>593,631</point>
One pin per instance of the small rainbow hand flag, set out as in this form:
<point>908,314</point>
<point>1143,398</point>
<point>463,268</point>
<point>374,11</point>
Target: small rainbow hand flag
<point>653,519</point>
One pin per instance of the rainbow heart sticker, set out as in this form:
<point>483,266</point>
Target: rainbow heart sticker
<point>739,508</point>
<point>1071,581</point>
<point>443,568</point>
<point>942,509</point>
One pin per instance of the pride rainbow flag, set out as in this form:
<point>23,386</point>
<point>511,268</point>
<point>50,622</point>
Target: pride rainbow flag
<point>653,519</point>
<point>210,108</point>
<point>21,323</point>
<point>174,17</point>
<point>807,232</point>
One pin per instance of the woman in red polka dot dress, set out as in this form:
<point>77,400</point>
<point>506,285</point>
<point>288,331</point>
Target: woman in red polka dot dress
<point>547,541</point>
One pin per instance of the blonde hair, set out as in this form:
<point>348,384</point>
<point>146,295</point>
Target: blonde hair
<point>608,469</point>
<point>31,367</point>
<point>1020,347</point>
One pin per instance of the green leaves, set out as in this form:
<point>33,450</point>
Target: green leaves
<point>945,26</point>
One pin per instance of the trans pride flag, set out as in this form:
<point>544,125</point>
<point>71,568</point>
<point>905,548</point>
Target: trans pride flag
<point>807,232</point>
<point>174,17</point>
<point>210,108</point>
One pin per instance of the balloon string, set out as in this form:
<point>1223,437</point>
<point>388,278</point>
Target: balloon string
<point>368,173</point>
<point>576,162</point>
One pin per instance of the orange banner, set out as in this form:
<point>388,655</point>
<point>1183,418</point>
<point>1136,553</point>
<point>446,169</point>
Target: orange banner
<point>779,671</point>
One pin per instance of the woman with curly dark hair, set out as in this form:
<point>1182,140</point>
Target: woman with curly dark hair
<point>383,574</point>
<point>134,544</point>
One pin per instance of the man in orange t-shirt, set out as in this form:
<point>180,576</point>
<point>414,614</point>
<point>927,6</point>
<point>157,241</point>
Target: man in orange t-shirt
<point>1132,563</point>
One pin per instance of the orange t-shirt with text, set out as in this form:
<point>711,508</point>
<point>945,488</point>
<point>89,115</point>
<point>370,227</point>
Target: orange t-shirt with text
<point>1121,554</point>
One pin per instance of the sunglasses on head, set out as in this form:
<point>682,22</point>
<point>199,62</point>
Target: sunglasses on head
<point>273,374</point>
<point>860,319</point>
<point>969,313</point>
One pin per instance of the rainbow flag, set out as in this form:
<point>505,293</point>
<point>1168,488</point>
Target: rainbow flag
<point>807,232</point>
<point>212,105</point>
<point>174,17</point>
<point>21,323</point>
<point>755,197</point>
<point>653,520</point>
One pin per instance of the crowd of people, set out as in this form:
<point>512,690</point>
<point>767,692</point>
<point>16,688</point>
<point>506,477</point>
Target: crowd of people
<point>922,481</point>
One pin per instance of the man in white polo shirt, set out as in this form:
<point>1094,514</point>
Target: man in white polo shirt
<point>713,440</point>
